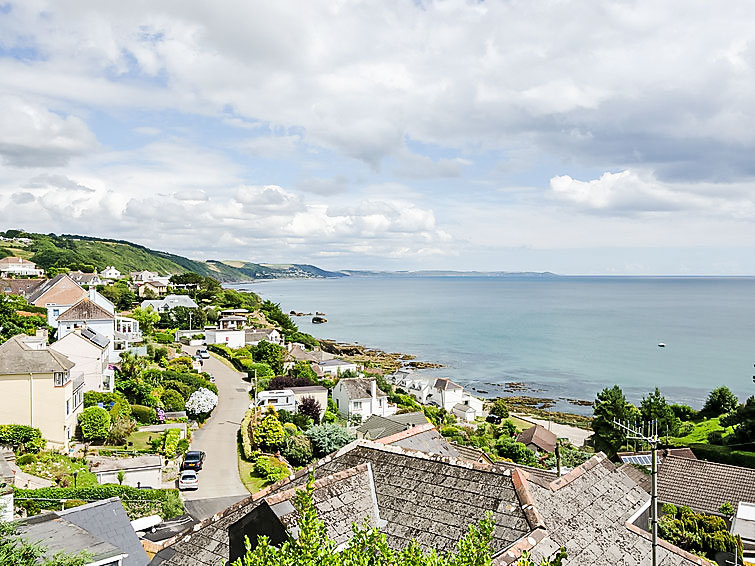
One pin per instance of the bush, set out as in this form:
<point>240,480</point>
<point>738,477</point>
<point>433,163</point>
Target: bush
<point>73,503</point>
<point>500,408</point>
<point>95,423</point>
<point>172,436</point>
<point>91,398</point>
<point>183,389</point>
<point>310,407</point>
<point>686,428</point>
<point>716,437</point>
<point>183,446</point>
<point>327,438</point>
<point>297,450</point>
<point>302,422</point>
<point>173,401</point>
<point>120,430</point>
<point>28,438</point>
<point>515,451</point>
<point>246,435</point>
<point>285,382</point>
<point>271,469</point>
<point>26,459</point>
<point>269,433</point>
<point>164,337</point>
<point>143,414</point>
<point>684,412</point>
<point>669,509</point>
<point>201,403</point>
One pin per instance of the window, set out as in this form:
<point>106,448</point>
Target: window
<point>61,378</point>
<point>55,312</point>
<point>68,406</point>
<point>357,405</point>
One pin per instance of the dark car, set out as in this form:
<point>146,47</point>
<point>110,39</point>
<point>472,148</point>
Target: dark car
<point>193,460</point>
<point>495,419</point>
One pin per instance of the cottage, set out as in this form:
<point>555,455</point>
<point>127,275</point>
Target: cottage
<point>170,302</point>
<point>19,267</point>
<point>538,439</point>
<point>254,336</point>
<point>86,279</point>
<point>337,367</point>
<point>20,287</point>
<point>86,314</point>
<point>57,295</point>
<point>231,338</point>
<point>39,389</point>
<point>231,322</point>
<point>111,273</point>
<point>154,288</point>
<point>90,352</point>
<point>142,276</point>
<point>362,397</point>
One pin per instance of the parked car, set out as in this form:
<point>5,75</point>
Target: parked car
<point>193,460</point>
<point>495,419</point>
<point>204,354</point>
<point>188,480</point>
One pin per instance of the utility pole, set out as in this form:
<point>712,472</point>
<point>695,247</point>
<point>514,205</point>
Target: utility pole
<point>648,432</point>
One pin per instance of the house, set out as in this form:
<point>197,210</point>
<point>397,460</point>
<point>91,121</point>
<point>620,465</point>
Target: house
<point>170,302</point>
<point>90,352</point>
<point>111,273</point>
<point>423,438</point>
<point>279,399</point>
<point>231,338</point>
<point>704,486</point>
<point>39,388</point>
<point>376,427</point>
<point>743,524</point>
<point>317,392</point>
<point>441,392</point>
<point>538,439</point>
<point>256,335</point>
<point>432,499</point>
<point>57,295</point>
<point>358,396</point>
<point>298,353</point>
<point>337,367</point>
<point>100,528</point>
<point>140,471</point>
<point>127,333</point>
<point>86,314</point>
<point>142,276</point>
<point>19,267</point>
<point>231,322</point>
<point>20,287</point>
<point>86,279</point>
<point>156,288</point>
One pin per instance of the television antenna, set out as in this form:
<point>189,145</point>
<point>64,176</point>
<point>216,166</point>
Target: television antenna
<point>647,432</point>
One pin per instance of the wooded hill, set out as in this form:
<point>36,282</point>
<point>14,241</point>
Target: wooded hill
<point>86,253</point>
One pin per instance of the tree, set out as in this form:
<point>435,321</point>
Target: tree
<point>611,404</point>
<point>297,450</point>
<point>499,408</point>
<point>147,318</point>
<point>743,421</point>
<point>271,354</point>
<point>95,424</point>
<point>121,475</point>
<point>654,408</point>
<point>13,323</point>
<point>311,407</point>
<point>720,401</point>
<point>284,382</point>
<point>327,438</point>
<point>119,294</point>
<point>183,318</point>
<point>507,447</point>
<point>269,434</point>
<point>303,370</point>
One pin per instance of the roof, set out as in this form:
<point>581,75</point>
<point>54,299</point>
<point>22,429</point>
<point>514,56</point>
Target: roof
<point>18,357</point>
<point>377,427</point>
<point>16,261</point>
<point>427,498</point>
<point>644,457</point>
<point>743,523</point>
<point>471,454</point>
<point>704,486</point>
<point>107,520</point>
<point>413,418</point>
<point>463,408</point>
<point>445,384</point>
<point>43,289</point>
<point>424,438</point>
<point>81,277</point>
<point>359,388</point>
<point>99,464</point>
<point>21,287</point>
<point>309,389</point>
<point>335,363</point>
<point>98,340</point>
<point>544,439</point>
<point>170,302</point>
<point>85,310</point>
<point>57,534</point>
<point>638,476</point>
<point>588,511</point>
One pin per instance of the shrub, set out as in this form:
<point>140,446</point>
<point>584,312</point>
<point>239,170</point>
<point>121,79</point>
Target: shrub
<point>726,509</point>
<point>26,459</point>
<point>685,429</point>
<point>327,438</point>
<point>269,433</point>
<point>95,423</point>
<point>500,408</point>
<point>271,469</point>
<point>183,446</point>
<point>143,414</point>
<point>669,509</point>
<point>684,412</point>
<point>507,447</point>
<point>91,398</point>
<point>120,430</point>
<point>297,450</point>
<point>290,429</point>
<point>311,407</point>
<point>246,436</point>
<point>164,337</point>
<point>201,402</point>
<point>70,503</point>
<point>172,436</point>
<point>716,437</point>
<point>183,389</point>
<point>173,401</point>
<point>302,422</point>
<point>284,382</point>
<point>25,437</point>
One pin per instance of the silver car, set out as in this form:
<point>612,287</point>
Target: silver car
<point>188,480</point>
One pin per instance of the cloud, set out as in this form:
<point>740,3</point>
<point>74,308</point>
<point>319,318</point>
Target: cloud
<point>58,181</point>
<point>31,135</point>
<point>326,187</point>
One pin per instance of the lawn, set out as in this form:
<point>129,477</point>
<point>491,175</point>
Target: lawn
<point>700,432</point>
<point>252,483</point>
<point>55,466</point>
<point>141,440</point>
<point>519,423</point>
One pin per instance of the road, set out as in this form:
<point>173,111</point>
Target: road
<point>219,483</point>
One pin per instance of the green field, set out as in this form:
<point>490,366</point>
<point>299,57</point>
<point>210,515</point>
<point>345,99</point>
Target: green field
<point>700,433</point>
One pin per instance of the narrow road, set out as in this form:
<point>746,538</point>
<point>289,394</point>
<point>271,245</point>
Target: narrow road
<point>219,483</point>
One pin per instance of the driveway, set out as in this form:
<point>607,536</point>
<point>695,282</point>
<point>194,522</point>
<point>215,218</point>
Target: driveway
<point>219,478</point>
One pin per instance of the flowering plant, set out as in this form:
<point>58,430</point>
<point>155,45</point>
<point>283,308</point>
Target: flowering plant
<point>202,401</point>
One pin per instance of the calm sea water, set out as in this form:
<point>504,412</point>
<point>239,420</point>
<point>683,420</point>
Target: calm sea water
<point>564,337</point>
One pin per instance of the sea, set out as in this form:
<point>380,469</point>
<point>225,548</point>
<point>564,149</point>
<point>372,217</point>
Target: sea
<point>563,338</point>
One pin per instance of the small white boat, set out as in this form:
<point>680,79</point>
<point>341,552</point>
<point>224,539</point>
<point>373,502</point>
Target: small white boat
<point>661,345</point>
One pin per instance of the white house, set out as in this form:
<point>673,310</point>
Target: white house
<point>90,352</point>
<point>359,396</point>
<point>141,276</point>
<point>86,279</point>
<point>256,335</point>
<point>336,367</point>
<point>231,338</point>
<point>280,399</point>
<point>440,392</point>
<point>140,471</point>
<point>170,302</point>
<point>19,266</point>
<point>110,272</point>
<point>317,392</point>
<point>86,314</point>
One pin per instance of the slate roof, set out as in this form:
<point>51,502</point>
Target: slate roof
<point>22,287</point>
<point>540,437</point>
<point>587,511</point>
<point>446,384</point>
<point>85,310</point>
<point>429,441</point>
<point>638,476</point>
<point>60,535</point>
<point>98,340</point>
<point>471,454</point>
<point>107,520</point>
<point>359,388</point>
<point>413,418</point>
<point>17,357</point>
<point>379,427</point>
<point>702,485</point>
<point>428,498</point>
<point>40,290</point>
<point>170,302</point>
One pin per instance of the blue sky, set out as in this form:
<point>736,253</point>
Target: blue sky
<point>574,137</point>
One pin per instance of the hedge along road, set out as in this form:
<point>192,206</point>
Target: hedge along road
<point>219,477</point>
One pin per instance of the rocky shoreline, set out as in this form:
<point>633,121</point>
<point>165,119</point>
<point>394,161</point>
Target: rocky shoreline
<point>388,362</point>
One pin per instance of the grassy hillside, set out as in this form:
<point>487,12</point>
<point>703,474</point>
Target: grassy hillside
<point>87,253</point>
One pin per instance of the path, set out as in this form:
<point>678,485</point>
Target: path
<point>575,435</point>
<point>219,478</point>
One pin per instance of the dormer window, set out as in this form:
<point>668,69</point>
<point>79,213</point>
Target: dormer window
<point>61,378</point>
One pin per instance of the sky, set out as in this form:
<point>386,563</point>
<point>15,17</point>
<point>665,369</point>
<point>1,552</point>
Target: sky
<point>579,137</point>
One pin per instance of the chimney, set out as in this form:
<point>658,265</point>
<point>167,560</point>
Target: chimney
<point>373,388</point>
<point>92,293</point>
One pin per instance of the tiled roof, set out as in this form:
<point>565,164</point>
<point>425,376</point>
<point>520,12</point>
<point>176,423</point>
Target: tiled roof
<point>544,439</point>
<point>359,388</point>
<point>471,454</point>
<point>413,418</point>
<point>446,384</point>
<point>44,287</point>
<point>423,438</point>
<point>379,427</point>
<point>704,486</point>
<point>107,520</point>
<point>638,476</point>
<point>23,287</point>
<point>17,357</point>
<point>85,310</point>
